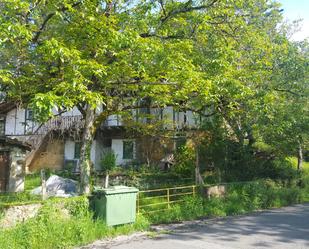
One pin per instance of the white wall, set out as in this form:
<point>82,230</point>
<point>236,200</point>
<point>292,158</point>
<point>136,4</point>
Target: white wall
<point>69,147</point>
<point>190,119</point>
<point>117,147</point>
<point>114,120</point>
<point>99,149</point>
<point>73,112</point>
<point>168,115</point>
<point>15,122</point>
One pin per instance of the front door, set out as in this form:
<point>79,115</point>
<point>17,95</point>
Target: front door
<point>4,170</point>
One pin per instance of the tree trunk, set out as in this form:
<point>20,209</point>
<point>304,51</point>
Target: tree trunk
<point>299,158</point>
<point>198,178</point>
<point>84,162</point>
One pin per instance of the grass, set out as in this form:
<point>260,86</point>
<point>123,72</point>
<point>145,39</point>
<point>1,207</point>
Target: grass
<point>239,199</point>
<point>56,232</point>
<point>32,181</point>
<point>51,228</point>
<point>13,199</point>
<point>293,160</point>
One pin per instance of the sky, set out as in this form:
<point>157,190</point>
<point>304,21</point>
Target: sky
<point>294,10</point>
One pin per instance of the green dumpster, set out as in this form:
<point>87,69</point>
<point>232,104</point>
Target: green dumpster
<point>116,205</point>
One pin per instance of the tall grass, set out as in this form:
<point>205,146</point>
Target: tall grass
<point>52,228</point>
<point>239,199</point>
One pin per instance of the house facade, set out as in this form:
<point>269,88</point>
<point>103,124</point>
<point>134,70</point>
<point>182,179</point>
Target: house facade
<point>56,143</point>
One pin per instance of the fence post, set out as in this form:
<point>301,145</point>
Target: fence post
<point>168,198</point>
<point>43,184</point>
<point>193,190</point>
<point>137,203</point>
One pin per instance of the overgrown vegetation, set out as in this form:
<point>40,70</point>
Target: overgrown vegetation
<point>228,60</point>
<point>64,223</point>
<point>239,199</point>
<point>54,228</point>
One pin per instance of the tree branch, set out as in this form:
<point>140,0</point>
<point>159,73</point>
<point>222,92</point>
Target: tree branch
<point>186,9</point>
<point>288,91</point>
<point>47,18</point>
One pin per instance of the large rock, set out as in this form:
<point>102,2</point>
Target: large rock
<point>58,186</point>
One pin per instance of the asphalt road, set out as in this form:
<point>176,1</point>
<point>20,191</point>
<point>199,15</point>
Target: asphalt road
<point>283,228</point>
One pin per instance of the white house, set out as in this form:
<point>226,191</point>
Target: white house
<point>56,143</point>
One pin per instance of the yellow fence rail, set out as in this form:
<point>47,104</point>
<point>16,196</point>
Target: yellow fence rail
<point>156,200</point>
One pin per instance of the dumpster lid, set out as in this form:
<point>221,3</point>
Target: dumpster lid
<point>117,190</point>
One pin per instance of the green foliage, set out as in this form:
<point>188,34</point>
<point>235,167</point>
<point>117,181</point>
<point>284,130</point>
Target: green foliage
<point>52,228</point>
<point>78,206</point>
<point>32,181</point>
<point>108,161</point>
<point>231,59</point>
<point>55,228</point>
<point>239,199</point>
<point>11,199</point>
<point>226,160</point>
<point>185,161</point>
<point>146,177</point>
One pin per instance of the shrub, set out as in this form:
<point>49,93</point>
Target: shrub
<point>185,161</point>
<point>214,207</point>
<point>51,228</point>
<point>108,163</point>
<point>192,207</point>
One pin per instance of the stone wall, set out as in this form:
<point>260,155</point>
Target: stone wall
<point>13,215</point>
<point>51,156</point>
<point>16,214</point>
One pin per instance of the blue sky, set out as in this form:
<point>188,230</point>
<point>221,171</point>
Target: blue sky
<point>297,9</point>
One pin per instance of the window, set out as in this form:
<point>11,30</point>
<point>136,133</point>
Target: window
<point>77,148</point>
<point>29,114</point>
<point>128,149</point>
<point>2,125</point>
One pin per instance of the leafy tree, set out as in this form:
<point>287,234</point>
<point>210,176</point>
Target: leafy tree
<point>285,124</point>
<point>105,56</point>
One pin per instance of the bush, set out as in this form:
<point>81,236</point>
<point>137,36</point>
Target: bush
<point>108,161</point>
<point>185,161</point>
<point>214,207</point>
<point>52,228</point>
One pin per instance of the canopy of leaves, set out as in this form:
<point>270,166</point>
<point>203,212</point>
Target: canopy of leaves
<point>190,54</point>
